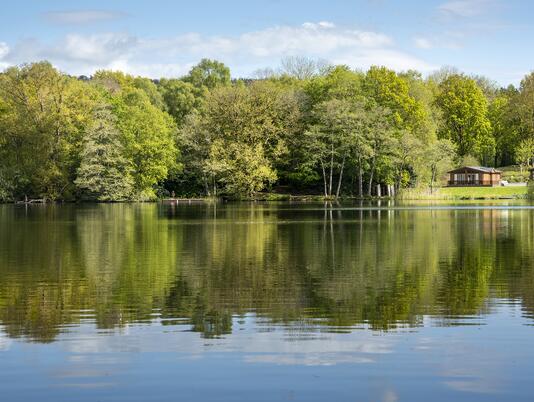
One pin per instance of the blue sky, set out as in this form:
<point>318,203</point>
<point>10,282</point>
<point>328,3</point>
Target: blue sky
<point>165,38</point>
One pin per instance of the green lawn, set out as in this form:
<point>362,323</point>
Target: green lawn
<point>481,192</point>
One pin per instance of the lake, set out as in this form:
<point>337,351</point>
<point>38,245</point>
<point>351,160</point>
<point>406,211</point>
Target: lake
<point>267,302</point>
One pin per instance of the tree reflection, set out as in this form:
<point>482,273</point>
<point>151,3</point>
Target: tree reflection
<point>205,264</point>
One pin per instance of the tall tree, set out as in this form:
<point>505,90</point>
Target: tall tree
<point>104,173</point>
<point>45,114</point>
<point>209,73</point>
<point>438,158</point>
<point>150,137</point>
<point>389,90</point>
<point>261,118</point>
<point>181,98</point>
<point>525,153</point>
<point>465,117</point>
<point>523,105</point>
<point>328,142</point>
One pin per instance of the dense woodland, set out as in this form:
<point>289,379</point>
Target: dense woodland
<point>306,127</point>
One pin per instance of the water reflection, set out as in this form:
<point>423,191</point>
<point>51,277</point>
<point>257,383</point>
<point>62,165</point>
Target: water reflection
<point>266,302</point>
<point>318,268</point>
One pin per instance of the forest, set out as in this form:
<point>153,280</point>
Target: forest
<point>306,127</point>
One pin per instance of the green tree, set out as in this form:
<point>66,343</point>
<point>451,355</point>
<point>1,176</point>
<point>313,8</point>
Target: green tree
<point>339,83</point>
<point>465,117</point>
<point>381,133</point>
<point>328,142</point>
<point>439,157</point>
<point>149,136</point>
<point>261,118</point>
<point>181,98</point>
<point>525,153</point>
<point>523,108</point>
<point>209,73</point>
<point>504,128</point>
<point>389,90</point>
<point>407,154</point>
<point>104,172</point>
<point>44,114</point>
<point>241,169</point>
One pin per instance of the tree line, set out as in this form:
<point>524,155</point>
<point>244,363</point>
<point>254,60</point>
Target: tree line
<point>307,127</point>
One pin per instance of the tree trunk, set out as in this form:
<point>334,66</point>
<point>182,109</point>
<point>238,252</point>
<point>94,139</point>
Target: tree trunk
<point>324,179</point>
<point>360,179</point>
<point>432,179</point>
<point>371,177</point>
<point>331,169</point>
<point>340,178</point>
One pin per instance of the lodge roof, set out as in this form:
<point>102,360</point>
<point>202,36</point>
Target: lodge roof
<point>478,169</point>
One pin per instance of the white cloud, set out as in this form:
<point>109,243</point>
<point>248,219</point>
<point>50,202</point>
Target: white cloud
<point>423,43</point>
<point>81,16</point>
<point>171,56</point>
<point>4,50</point>
<point>465,8</point>
<point>98,49</point>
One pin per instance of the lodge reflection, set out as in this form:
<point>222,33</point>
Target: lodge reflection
<point>118,264</point>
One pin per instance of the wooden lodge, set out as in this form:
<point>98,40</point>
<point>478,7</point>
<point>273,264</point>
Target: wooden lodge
<point>474,176</point>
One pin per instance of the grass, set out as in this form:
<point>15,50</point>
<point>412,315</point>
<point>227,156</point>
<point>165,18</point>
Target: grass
<point>469,193</point>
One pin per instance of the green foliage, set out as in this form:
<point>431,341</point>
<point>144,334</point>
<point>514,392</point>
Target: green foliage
<point>209,73</point>
<point>104,173</point>
<point>525,152</point>
<point>339,83</point>
<point>44,114</point>
<point>389,90</point>
<point>308,126</point>
<point>241,169</point>
<point>438,159</point>
<point>465,114</point>
<point>524,105</point>
<point>181,98</point>
<point>505,132</point>
<point>149,137</point>
<point>260,120</point>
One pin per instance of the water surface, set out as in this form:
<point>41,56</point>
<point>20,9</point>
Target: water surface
<point>267,302</point>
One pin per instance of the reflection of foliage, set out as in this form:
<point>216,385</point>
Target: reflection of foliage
<point>204,265</point>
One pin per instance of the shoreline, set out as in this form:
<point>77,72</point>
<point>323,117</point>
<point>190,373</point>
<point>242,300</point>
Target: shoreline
<point>442,194</point>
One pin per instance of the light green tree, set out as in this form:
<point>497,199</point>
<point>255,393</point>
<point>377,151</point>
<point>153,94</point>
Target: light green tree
<point>438,158</point>
<point>209,73</point>
<point>261,119</point>
<point>524,153</point>
<point>181,98</point>
<point>240,169</point>
<point>407,154</point>
<point>43,117</point>
<point>104,173</point>
<point>465,117</point>
<point>390,91</point>
<point>328,142</point>
<point>149,136</point>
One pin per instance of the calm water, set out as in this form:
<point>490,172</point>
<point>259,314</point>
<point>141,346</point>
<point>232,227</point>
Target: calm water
<point>266,302</point>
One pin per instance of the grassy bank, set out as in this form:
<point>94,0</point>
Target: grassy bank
<point>468,193</point>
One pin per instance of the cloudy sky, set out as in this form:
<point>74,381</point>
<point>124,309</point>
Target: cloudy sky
<point>165,38</point>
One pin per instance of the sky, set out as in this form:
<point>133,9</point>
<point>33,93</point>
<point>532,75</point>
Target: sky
<point>164,38</point>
